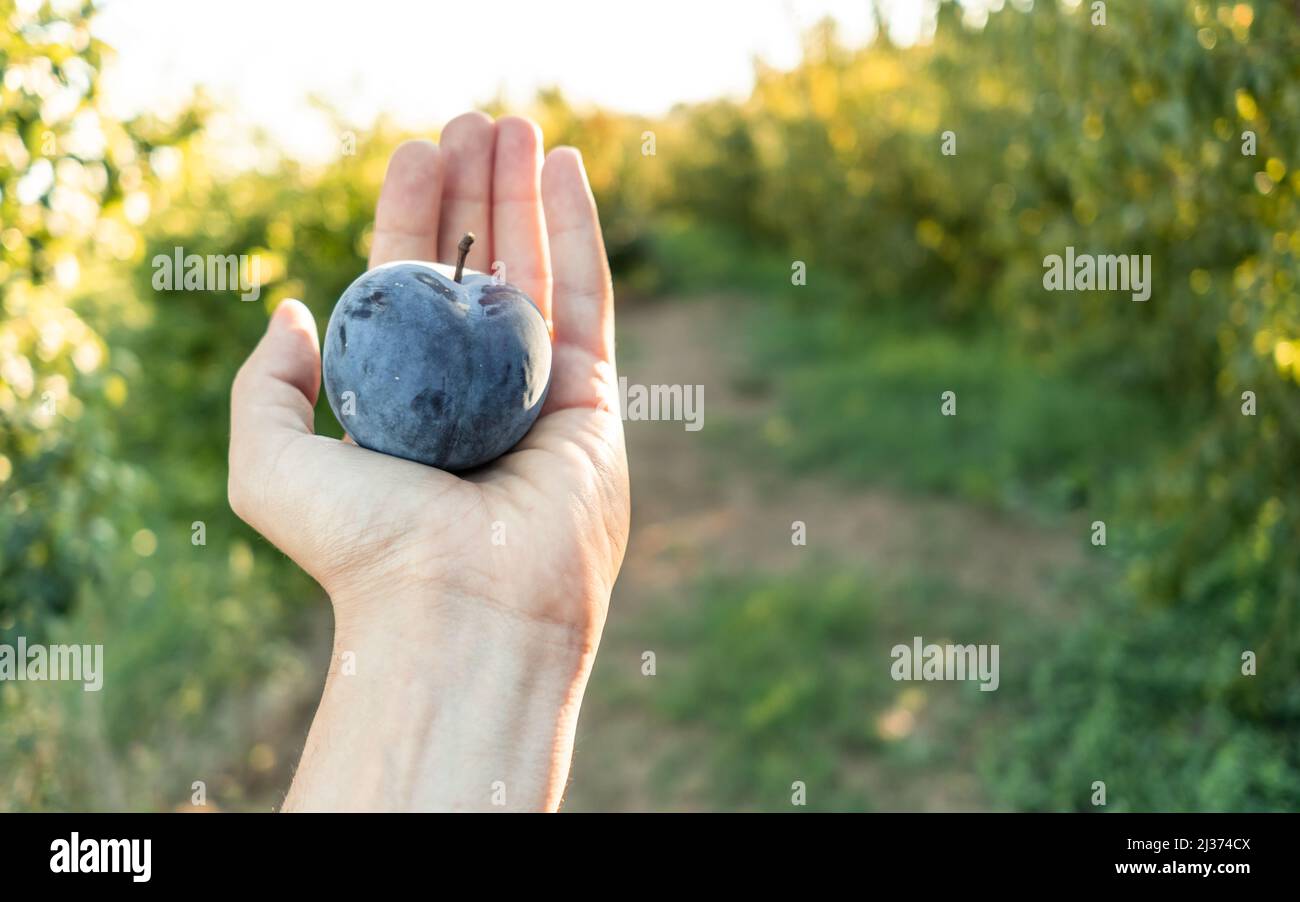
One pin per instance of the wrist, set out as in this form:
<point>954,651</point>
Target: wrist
<point>447,703</point>
<point>444,640</point>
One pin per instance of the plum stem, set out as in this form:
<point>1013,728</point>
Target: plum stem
<point>463,247</point>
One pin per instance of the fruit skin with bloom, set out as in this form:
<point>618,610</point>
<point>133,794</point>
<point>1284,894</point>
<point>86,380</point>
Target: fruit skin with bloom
<point>444,371</point>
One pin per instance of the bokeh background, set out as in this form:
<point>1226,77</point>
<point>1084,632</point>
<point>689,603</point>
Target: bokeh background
<point>1119,663</point>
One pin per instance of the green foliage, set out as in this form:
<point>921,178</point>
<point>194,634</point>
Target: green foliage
<point>59,486</point>
<point>1152,703</point>
<point>112,446</point>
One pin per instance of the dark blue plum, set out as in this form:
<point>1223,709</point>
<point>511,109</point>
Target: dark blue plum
<point>450,374</point>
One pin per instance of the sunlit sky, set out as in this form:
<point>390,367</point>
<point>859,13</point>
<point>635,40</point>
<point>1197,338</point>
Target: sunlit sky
<point>424,62</point>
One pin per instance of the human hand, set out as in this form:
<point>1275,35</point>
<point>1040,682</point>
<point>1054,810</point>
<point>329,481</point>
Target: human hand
<point>434,610</point>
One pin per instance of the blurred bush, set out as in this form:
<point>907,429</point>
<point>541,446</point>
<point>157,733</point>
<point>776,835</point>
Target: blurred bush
<point>113,524</point>
<point>68,175</point>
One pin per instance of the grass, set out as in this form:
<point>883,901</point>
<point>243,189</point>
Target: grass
<point>776,680</point>
<point>205,670</point>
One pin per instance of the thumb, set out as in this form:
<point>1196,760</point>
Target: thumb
<point>271,408</point>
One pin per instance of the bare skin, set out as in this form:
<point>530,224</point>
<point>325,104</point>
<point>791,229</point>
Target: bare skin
<point>470,657</point>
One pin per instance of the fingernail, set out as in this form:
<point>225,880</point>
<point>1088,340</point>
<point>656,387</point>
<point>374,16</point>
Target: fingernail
<point>283,310</point>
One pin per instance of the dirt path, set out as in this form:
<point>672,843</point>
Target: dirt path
<point>693,511</point>
<point>691,508</point>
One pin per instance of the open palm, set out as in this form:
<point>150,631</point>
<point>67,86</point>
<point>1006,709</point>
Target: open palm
<point>538,535</point>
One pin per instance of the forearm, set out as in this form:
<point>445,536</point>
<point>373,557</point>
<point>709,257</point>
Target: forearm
<point>462,707</point>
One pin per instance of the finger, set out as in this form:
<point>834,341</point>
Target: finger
<point>406,217</point>
<point>282,375</point>
<point>271,437</point>
<point>518,226</point>
<point>583,296</point>
<point>467,144</point>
